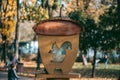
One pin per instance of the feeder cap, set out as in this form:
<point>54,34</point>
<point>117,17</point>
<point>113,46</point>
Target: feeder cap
<point>57,26</point>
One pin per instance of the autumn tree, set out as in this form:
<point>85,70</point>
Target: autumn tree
<point>91,36</point>
<point>95,34</point>
<point>109,22</point>
<point>8,12</point>
<point>32,11</point>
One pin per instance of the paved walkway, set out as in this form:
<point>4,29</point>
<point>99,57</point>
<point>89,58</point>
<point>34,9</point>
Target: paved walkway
<point>3,76</point>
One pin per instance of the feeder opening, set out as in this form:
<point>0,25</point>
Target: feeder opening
<point>58,70</point>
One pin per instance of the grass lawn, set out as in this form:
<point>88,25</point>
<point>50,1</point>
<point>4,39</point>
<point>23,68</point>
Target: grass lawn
<point>112,72</point>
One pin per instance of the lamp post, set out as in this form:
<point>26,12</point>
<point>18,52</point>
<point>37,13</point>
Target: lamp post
<point>38,61</point>
<point>17,30</point>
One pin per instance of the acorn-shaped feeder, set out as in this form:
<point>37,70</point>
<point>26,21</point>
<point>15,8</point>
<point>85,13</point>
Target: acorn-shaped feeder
<point>58,41</point>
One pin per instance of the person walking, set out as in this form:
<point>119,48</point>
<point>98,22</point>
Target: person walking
<point>106,60</point>
<point>12,75</point>
<point>14,59</point>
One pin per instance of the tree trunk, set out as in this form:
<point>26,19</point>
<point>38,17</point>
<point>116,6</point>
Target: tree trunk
<point>17,31</point>
<point>77,1</point>
<point>118,9</point>
<point>84,59</point>
<point>86,4</point>
<point>0,8</point>
<point>43,3</point>
<point>114,2</point>
<point>4,53</point>
<point>94,63</point>
<point>82,55</point>
<point>49,9</point>
<point>61,9</point>
<point>102,1</point>
<point>38,61</point>
<point>0,3</point>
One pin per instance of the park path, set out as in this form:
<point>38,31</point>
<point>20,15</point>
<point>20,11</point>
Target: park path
<point>3,76</point>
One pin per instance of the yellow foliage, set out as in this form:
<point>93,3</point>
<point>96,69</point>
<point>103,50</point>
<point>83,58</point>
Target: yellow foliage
<point>10,1</point>
<point>9,25</point>
<point>2,14</point>
<point>8,18</point>
<point>9,28</point>
<point>46,16</point>
<point>33,2</point>
<point>51,2</point>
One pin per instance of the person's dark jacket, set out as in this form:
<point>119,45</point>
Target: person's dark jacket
<point>12,75</point>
